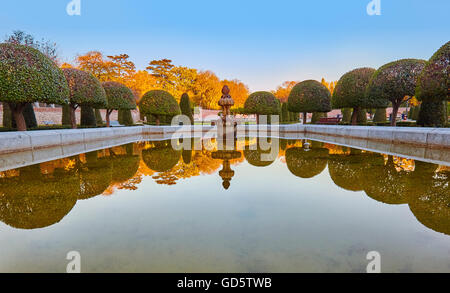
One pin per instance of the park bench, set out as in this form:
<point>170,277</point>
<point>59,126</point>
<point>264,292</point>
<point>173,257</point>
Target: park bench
<point>330,121</point>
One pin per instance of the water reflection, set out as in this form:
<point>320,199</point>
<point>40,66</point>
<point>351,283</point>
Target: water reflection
<point>41,195</point>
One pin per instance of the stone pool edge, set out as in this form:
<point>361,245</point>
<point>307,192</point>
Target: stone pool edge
<point>14,142</point>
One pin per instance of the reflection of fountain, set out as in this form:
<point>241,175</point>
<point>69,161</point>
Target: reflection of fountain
<point>226,173</point>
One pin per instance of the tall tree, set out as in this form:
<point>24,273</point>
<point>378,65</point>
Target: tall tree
<point>162,71</point>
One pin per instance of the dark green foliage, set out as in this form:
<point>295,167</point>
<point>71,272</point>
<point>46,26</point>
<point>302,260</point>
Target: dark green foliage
<point>98,117</point>
<point>362,116</point>
<point>309,96</point>
<point>27,76</point>
<point>380,115</point>
<point>262,103</point>
<point>95,175</point>
<point>28,114</point>
<point>284,113</point>
<point>85,89</point>
<point>316,117</point>
<point>432,113</point>
<point>125,117</point>
<point>159,102</point>
<point>393,81</point>
<point>119,96</point>
<point>185,106</point>
<point>346,115</point>
<point>434,87</point>
<point>350,91</point>
<point>306,164</point>
<point>87,116</point>
<point>34,200</point>
<point>65,115</point>
<point>259,157</point>
<point>162,157</point>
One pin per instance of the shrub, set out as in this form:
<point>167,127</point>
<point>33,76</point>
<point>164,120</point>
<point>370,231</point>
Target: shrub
<point>285,114</point>
<point>346,115</point>
<point>98,117</point>
<point>27,76</point>
<point>380,115</point>
<point>185,107</point>
<point>28,114</point>
<point>85,90</point>
<point>393,82</point>
<point>125,117</point>
<point>66,115</point>
<point>309,96</point>
<point>433,88</point>
<point>350,92</point>
<point>159,103</point>
<point>87,116</point>
<point>262,103</point>
<point>119,97</point>
<point>316,117</point>
<point>306,164</point>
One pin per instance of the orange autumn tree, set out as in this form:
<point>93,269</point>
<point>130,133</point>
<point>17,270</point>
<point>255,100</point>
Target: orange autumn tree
<point>282,92</point>
<point>238,91</point>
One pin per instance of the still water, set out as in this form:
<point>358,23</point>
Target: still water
<point>145,207</point>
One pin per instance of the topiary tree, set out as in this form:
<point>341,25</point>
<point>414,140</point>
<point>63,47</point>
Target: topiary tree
<point>350,92</point>
<point>394,82</point>
<point>27,76</point>
<point>98,117</point>
<point>380,115</point>
<point>125,117</point>
<point>185,106</point>
<point>259,157</point>
<point>346,115</point>
<point>433,88</point>
<point>87,117</point>
<point>28,114</point>
<point>308,97</point>
<point>158,103</point>
<point>162,157</point>
<point>95,175</point>
<point>85,90</point>
<point>285,114</point>
<point>119,97</point>
<point>262,103</point>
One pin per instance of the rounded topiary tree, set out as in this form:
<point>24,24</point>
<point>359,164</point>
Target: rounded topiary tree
<point>433,88</point>
<point>262,103</point>
<point>27,76</point>
<point>308,97</point>
<point>85,89</point>
<point>394,82</point>
<point>119,97</point>
<point>350,92</point>
<point>185,106</point>
<point>159,103</point>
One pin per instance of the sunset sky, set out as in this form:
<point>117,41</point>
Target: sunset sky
<point>262,43</point>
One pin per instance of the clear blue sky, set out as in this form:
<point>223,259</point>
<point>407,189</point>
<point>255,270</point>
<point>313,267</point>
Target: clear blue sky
<point>262,43</point>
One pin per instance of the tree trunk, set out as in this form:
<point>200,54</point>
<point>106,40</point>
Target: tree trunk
<point>17,113</point>
<point>257,119</point>
<point>305,117</point>
<point>157,120</point>
<point>73,117</point>
<point>394,114</point>
<point>108,119</point>
<point>355,116</point>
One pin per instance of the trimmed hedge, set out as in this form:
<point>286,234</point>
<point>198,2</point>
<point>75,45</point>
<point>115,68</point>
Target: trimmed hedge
<point>159,103</point>
<point>350,91</point>
<point>262,103</point>
<point>185,107</point>
<point>309,96</point>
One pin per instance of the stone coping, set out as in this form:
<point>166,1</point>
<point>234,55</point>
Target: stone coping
<point>15,142</point>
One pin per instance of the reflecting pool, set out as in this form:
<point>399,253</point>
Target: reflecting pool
<point>147,207</point>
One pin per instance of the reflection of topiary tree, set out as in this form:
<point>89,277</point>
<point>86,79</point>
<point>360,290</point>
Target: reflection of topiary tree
<point>308,97</point>
<point>385,184</point>
<point>348,171</point>
<point>255,157</point>
<point>85,90</point>
<point>162,157</point>
<point>27,76</point>
<point>95,176</point>
<point>433,88</point>
<point>306,163</point>
<point>350,92</point>
<point>124,166</point>
<point>159,103</point>
<point>392,83</point>
<point>262,103</point>
<point>33,200</point>
<point>119,97</point>
<point>429,201</point>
